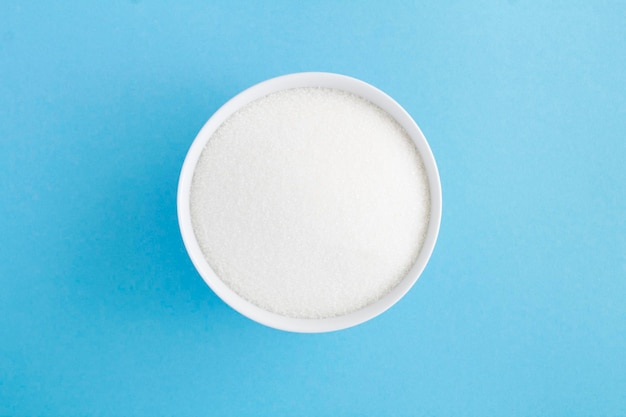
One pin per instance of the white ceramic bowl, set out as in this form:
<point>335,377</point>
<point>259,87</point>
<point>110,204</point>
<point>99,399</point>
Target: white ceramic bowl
<point>308,79</point>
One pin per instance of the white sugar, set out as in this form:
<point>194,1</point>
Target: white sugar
<point>310,202</point>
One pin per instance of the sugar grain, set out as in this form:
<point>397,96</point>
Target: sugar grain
<point>310,202</point>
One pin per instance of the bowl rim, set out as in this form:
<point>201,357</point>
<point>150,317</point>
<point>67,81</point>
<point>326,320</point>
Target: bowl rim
<point>284,82</point>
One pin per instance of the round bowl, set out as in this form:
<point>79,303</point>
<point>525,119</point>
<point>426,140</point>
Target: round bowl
<point>308,79</point>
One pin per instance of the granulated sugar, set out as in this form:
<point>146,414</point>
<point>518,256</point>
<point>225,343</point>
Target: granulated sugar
<point>310,202</point>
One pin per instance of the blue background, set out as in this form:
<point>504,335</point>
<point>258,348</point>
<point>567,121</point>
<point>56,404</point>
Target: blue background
<point>521,311</point>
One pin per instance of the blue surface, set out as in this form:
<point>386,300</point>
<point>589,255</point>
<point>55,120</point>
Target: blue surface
<point>521,311</point>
